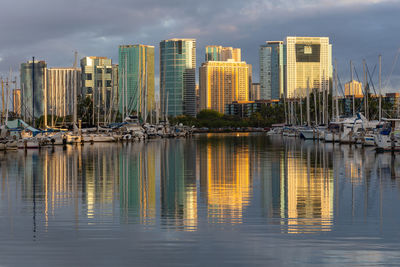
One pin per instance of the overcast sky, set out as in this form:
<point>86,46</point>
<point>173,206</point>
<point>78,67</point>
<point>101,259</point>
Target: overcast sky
<point>52,30</point>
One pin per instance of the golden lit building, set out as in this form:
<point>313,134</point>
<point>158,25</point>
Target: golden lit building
<point>222,82</point>
<point>353,88</point>
<point>220,53</point>
<point>309,59</point>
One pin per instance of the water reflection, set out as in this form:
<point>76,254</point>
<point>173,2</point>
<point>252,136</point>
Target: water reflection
<point>225,177</point>
<point>299,187</point>
<point>138,183</point>
<point>178,184</point>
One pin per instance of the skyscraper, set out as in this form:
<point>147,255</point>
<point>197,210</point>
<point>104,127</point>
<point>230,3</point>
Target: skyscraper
<point>178,77</point>
<point>63,85</point>
<point>222,82</point>
<point>219,53</point>
<point>136,79</point>
<point>97,84</point>
<point>272,70</point>
<point>30,99</point>
<point>308,59</point>
<point>254,91</point>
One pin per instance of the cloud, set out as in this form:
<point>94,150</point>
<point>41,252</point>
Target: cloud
<point>53,29</point>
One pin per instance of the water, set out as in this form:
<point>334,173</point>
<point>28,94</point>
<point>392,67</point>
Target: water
<point>232,199</point>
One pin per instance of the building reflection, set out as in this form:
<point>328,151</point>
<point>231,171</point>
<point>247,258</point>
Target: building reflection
<point>178,185</point>
<point>181,183</point>
<point>298,188</point>
<point>83,178</point>
<point>138,183</point>
<point>225,177</point>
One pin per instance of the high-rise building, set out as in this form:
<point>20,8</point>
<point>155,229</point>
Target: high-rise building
<point>254,91</point>
<point>309,61</point>
<point>33,97</point>
<point>17,102</point>
<point>272,70</point>
<point>178,77</point>
<point>220,53</point>
<point>63,85</point>
<point>222,82</point>
<point>97,83</point>
<point>136,79</point>
<point>353,88</point>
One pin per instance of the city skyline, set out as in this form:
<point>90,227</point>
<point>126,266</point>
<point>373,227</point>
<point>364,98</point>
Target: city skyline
<point>345,22</point>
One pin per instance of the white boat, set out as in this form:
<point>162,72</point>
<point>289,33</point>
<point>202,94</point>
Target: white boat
<point>26,143</point>
<point>388,138</point>
<point>12,145</point>
<point>320,132</point>
<point>307,133</point>
<point>97,138</point>
<point>275,131</point>
<point>369,140</point>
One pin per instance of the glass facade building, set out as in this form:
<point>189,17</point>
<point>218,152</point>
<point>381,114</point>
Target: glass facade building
<point>272,70</point>
<point>36,99</point>
<point>219,53</point>
<point>136,79</point>
<point>178,77</point>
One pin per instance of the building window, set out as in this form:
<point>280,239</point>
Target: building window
<point>89,76</point>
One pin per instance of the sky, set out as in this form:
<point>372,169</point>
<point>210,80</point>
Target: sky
<point>52,30</point>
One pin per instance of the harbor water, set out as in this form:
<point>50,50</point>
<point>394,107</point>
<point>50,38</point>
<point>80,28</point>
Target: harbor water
<point>234,199</point>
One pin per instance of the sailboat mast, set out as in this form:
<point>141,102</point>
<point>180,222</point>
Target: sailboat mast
<point>380,88</point>
<point>126,86</point>
<point>123,89</point>
<point>365,91</point>
<point>308,102</point>
<point>315,106</point>
<point>352,87</point>
<point>2,98</point>
<point>33,91</point>
<point>336,93</point>
<point>7,96</point>
<point>332,103</point>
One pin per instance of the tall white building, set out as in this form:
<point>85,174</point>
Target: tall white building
<point>63,86</point>
<point>309,59</point>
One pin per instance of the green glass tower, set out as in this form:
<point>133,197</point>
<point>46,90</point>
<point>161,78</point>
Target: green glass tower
<point>178,77</point>
<point>136,80</point>
<point>30,99</point>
